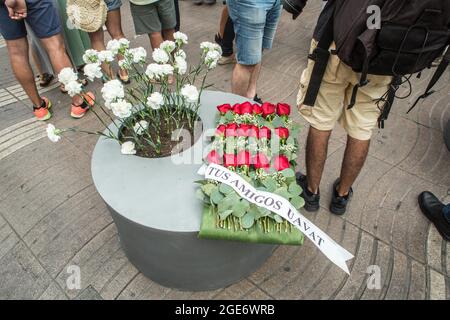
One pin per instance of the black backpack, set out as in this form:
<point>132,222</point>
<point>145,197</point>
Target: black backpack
<point>412,34</point>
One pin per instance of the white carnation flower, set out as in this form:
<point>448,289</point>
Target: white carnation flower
<point>140,127</point>
<point>113,46</point>
<point>190,92</point>
<point>90,56</point>
<point>112,90</point>
<point>211,58</point>
<point>180,53</point>
<point>73,88</point>
<point>155,101</point>
<point>52,133</point>
<point>180,65</point>
<point>166,69</point>
<point>160,56</point>
<point>153,71</point>
<point>92,71</point>
<point>106,56</point>
<point>209,46</point>
<point>124,43</point>
<point>138,54</point>
<point>168,46</point>
<point>128,147</point>
<point>67,75</point>
<point>121,108</point>
<point>180,38</point>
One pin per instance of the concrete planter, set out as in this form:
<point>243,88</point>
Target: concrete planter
<point>153,204</point>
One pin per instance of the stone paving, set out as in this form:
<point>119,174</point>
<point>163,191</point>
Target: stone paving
<point>51,216</point>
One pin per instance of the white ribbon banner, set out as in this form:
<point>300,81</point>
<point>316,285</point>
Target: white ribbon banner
<point>282,207</point>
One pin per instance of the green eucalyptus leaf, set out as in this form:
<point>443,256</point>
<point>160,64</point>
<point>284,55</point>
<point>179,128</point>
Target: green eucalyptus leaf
<point>208,188</point>
<point>283,192</point>
<point>295,189</point>
<point>263,212</point>
<point>288,173</point>
<point>298,202</point>
<point>278,218</point>
<point>223,215</point>
<point>225,189</point>
<point>248,220</point>
<point>216,196</point>
<point>270,184</point>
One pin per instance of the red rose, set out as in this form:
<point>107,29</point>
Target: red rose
<point>264,132</point>
<point>224,108</point>
<point>280,163</point>
<point>282,132</point>
<point>243,158</point>
<point>253,131</point>
<point>243,130</point>
<point>230,160</point>
<point>237,108</point>
<point>260,161</point>
<point>213,157</point>
<point>231,130</point>
<point>283,109</point>
<point>267,109</point>
<point>246,108</point>
<point>257,109</point>
<point>220,131</point>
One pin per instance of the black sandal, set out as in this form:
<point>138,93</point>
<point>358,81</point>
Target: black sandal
<point>45,79</point>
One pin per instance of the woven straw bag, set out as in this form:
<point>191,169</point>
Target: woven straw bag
<point>86,15</point>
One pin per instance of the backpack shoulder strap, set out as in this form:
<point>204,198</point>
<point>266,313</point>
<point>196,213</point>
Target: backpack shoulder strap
<point>436,76</point>
<point>320,56</point>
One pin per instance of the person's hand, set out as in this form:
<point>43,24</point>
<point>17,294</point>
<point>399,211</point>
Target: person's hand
<point>17,9</point>
<point>295,7</point>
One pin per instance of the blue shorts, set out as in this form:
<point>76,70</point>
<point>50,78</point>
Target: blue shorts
<point>255,23</point>
<point>113,4</point>
<point>42,18</point>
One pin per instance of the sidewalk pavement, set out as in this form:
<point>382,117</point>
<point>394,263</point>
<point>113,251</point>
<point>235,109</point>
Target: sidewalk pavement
<point>51,217</point>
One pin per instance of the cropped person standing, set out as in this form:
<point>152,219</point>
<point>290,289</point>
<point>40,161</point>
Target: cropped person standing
<point>156,18</point>
<point>353,73</point>
<point>225,37</point>
<point>114,26</point>
<point>255,23</point>
<point>42,17</point>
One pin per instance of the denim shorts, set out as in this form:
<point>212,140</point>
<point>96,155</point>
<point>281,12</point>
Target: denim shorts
<point>255,23</point>
<point>42,18</point>
<point>113,4</point>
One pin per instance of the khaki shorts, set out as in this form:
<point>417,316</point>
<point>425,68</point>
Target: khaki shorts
<point>334,97</point>
<point>153,17</point>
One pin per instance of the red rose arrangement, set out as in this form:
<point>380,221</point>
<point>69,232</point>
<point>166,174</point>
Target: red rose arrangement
<point>259,142</point>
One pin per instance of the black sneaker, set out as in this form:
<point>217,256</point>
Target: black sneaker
<point>312,200</point>
<point>433,209</point>
<point>338,204</point>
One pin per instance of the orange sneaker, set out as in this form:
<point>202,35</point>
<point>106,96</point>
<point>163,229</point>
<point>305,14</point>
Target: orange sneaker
<point>78,112</point>
<point>43,113</point>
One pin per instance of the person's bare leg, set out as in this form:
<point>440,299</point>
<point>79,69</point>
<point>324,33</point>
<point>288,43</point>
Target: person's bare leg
<point>251,91</point>
<point>114,27</point>
<point>223,21</point>
<point>316,155</point>
<point>156,39</point>
<point>167,34</point>
<point>37,62</point>
<point>98,43</point>
<point>240,80</point>
<point>355,155</point>
<point>20,63</point>
<point>56,51</point>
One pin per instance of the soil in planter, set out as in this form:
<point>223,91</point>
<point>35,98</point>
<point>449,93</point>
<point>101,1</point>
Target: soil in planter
<point>186,138</point>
